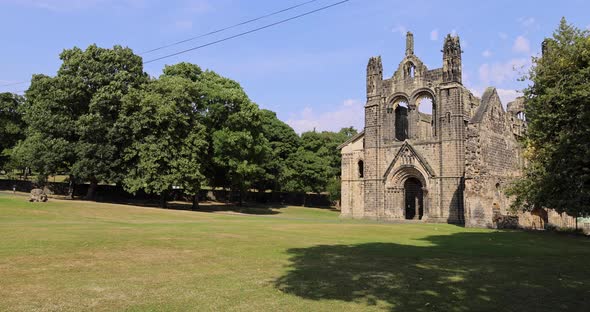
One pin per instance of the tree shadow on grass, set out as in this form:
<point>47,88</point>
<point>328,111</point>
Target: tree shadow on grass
<point>496,271</point>
<point>253,209</point>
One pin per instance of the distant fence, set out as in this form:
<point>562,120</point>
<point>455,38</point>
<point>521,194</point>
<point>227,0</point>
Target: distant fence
<point>117,193</point>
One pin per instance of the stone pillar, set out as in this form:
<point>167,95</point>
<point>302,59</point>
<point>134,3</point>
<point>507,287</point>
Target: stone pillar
<point>417,207</point>
<point>409,43</point>
<point>425,203</point>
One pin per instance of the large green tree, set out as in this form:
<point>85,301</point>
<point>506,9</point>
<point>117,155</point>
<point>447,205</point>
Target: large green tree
<point>50,115</point>
<point>240,148</point>
<point>11,124</point>
<point>558,114</point>
<point>222,99</point>
<point>283,142</point>
<point>78,109</point>
<point>167,139</point>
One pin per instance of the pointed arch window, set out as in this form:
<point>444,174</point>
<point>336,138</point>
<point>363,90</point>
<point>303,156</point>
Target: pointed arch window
<point>401,120</point>
<point>425,105</point>
<point>410,70</point>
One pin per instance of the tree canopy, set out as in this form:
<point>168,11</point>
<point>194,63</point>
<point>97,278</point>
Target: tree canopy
<point>558,114</point>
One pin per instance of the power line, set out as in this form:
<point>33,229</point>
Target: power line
<point>228,27</point>
<point>246,32</point>
<point>13,83</point>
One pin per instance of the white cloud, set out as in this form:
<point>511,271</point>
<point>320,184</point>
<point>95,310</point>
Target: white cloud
<point>486,53</point>
<point>498,73</point>
<point>526,21</point>
<point>521,45</point>
<point>508,95</point>
<point>434,35</point>
<point>349,113</point>
<point>402,30</point>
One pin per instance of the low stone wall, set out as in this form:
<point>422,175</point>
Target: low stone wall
<point>117,193</point>
<point>548,218</point>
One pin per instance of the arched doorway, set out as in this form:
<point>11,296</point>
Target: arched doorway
<point>406,190</point>
<point>414,199</point>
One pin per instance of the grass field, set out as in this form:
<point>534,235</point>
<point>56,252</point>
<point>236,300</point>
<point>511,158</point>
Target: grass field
<point>75,256</point>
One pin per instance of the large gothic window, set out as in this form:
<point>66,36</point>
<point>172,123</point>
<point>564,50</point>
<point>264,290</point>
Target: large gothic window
<point>426,111</point>
<point>401,120</point>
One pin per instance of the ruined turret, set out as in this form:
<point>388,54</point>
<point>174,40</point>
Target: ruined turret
<point>374,76</point>
<point>452,59</point>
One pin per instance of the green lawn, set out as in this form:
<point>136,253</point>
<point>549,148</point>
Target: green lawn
<point>73,256</point>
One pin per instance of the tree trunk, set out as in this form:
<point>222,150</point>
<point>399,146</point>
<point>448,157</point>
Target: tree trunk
<point>163,202</point>
<point>71,187</point>
<point>240,201</point>
<point>196,201</point>
<point>90,195</point>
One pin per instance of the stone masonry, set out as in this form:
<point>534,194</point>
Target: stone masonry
<point>430,149</point>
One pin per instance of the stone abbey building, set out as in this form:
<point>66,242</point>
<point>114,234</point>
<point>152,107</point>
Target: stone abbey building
<point>430,149</point>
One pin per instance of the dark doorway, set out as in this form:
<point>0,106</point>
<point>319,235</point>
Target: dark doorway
<point>414,201</point>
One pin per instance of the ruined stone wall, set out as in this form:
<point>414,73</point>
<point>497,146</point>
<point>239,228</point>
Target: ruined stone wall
<point>471,104</point>
<point>540,219</point>
<point>492,156</point>
<point>465,152</point>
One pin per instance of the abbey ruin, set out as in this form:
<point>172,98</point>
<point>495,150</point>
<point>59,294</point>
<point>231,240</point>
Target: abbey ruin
<point>448,163</point>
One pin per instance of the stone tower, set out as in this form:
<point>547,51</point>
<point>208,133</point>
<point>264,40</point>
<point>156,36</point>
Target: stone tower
<point>452,129</point>
<point>372,181</point>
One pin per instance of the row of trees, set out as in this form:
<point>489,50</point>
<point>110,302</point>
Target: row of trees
<point>103,119</point>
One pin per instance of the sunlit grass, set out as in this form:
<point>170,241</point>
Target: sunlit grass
<point>72,256</point>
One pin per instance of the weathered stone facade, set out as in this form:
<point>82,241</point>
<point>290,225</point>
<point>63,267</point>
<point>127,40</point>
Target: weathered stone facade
<point>446,164</point>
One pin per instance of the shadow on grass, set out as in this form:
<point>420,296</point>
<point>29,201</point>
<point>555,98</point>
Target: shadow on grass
<point>254,209</point>
<point>497,271</point>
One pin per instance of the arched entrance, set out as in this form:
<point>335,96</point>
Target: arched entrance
<point>406,189</point>
<point>414,199</point>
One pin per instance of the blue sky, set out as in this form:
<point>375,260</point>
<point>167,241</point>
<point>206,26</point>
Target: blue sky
<point>311,71</point>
